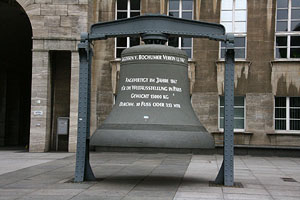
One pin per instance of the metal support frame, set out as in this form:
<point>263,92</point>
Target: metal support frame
<point>226,173</point>
<point>160,27</point>
<point>83,171</point>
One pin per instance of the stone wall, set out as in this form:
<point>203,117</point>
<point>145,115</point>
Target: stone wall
<point>57,25</point>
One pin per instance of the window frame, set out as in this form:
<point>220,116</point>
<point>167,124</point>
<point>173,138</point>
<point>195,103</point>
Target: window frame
<point>236,34</point>
<point>180,11</point>
<point>128,11</point>
<point>287,33</point>
<point>287,116</point>
<point>219,115</point>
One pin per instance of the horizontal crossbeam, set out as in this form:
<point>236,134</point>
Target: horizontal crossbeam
<point>157,24</point>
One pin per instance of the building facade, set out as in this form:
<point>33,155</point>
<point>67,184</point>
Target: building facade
<point>40,67</point>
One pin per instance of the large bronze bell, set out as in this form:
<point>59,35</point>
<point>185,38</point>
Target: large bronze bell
<point>153,106</point>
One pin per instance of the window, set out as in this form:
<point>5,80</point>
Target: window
<point>287,113</point>
<point>126,9</point>
<point>234,19</point>
<point>287,42</point>
<point>181,9</point>
<point>239,113</point>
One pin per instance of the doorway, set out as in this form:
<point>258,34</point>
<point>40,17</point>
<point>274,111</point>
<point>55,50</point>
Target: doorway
<point>15,75</point>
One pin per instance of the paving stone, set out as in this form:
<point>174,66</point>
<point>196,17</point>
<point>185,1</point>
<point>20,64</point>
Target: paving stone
<point>88,197</point>
<point>153,194</point>
<point>246,197</point>
<point>204,195</point>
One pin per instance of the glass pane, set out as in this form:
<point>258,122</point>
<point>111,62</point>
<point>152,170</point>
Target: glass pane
<point>221,122</point>
<point>173,4</point>
<point>239,41</point>
<point>238,123</point>
<point>221,111</point>
<point>187,15</point>
<point>187,5</point>
<point>134,4</point>
<point>295,3</point>
<point>280,113</point>
<point>238,101</point>
<point>119,51</point>
<point>173,41</point>
<point>295,113</point>
<point>282,14</point>
<point>280,102</point>
<point>240,15</point>
<point>188,52</point>
<point>222,53</point>
<point>186,42</point>
<point>133,14</point>
<point>281,53</point>
<point>174,14</point>
<point>226,15</point>
<point>228,26</point>
<point>281,26</point>
<point>241,4</point>
<point>295,53</point>
<point>240,27</point>
<point>280,124</point>
<point>295,40</point>
<point>282,3</point>
<point>294,101</point>
<point>281,41</point>
<point>121,15</point>
<point>222,100</point>
<point>227,4</point>
<point>121,42</point>
<point>240,53</point>
<point>239,112</point>
<point>134,41</point>
<point>295,13</point>
<point>122,4</point>
<point>294,124</point>
<point>295,26</point>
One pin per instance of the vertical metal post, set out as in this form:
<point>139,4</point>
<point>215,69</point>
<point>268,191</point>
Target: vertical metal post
<point>226,173</point>
<point>83,169</point>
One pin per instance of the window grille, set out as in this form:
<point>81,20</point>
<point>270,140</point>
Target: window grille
<point>287,36</point>
<point>287,113</point>
<point>126,9</point>
<point>239,113</point>
<point>234,18</point>
<point>182,9</point>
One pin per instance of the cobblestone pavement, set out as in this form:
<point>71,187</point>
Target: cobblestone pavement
<point>138,176</point>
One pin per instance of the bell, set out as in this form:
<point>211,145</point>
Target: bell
<point>153,106</point>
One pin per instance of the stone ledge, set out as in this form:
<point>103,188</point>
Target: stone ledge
<point>283,134</point>
<point>285,61</point>
<point>235,133</point>
<point>240,138</point>
<point>236,61</point>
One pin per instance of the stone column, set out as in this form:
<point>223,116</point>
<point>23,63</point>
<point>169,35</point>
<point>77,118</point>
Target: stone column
<point>74,101</point>
<point>40,102</point>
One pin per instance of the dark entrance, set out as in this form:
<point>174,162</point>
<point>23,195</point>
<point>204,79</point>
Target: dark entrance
<point>15,74</point>
<point>60,62</point>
